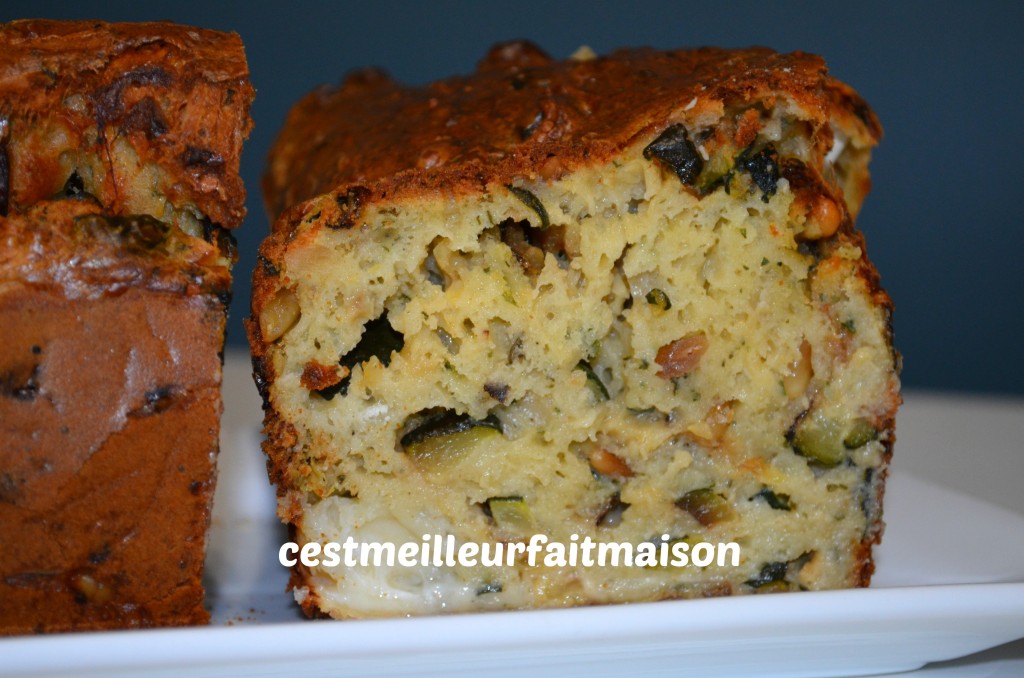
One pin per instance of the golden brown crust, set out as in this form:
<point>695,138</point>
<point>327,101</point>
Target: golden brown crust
<point>115,330</point>
<point>180,96</point>
<point>105,512</point>
<point>279,436</point>
<point>115,309</point>
<point>522,115</point>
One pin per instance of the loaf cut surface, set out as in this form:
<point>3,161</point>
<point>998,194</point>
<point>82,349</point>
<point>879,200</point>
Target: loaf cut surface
<point>618,298</point>
<point>119,150</point>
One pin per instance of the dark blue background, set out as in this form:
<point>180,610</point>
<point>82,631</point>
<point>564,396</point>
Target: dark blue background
<point>943,223</point>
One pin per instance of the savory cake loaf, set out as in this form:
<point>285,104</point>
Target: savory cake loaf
<point>612,299</point>
<point>119,153</point>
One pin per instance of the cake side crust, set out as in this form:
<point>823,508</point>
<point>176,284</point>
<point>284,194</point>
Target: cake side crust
<point>109,511</point>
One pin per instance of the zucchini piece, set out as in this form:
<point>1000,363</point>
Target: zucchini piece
<point>860,434</point>
<point>770,574</point>
<point>674,149</point>
<point>594,382</point>
<point>531,201</point>
<point>718,171</point>
<point>445,437</point>
<point>763,168</point>
<point>657,297</point>
<point>773,576</point>
<point>706,506</point>
<point>819,439</point>
<point>774,587</point>
<point>779,502</point>
<point>511,514</point>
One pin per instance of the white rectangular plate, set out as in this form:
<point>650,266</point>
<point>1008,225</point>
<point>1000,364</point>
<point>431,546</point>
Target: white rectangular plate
<point>950,582</point>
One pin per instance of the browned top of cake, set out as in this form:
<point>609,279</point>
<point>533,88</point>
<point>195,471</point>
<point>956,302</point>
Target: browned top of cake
<point>178,96</point>
<point>522,114</point>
